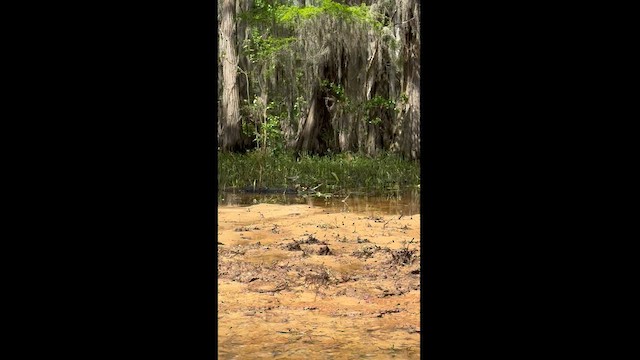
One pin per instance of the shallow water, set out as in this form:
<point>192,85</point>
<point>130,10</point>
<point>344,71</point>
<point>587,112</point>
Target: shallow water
<point>393,203</point>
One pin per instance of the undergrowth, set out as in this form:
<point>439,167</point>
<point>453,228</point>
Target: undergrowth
<point>328,174</point>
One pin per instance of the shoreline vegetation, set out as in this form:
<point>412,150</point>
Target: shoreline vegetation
<point>329,175</point>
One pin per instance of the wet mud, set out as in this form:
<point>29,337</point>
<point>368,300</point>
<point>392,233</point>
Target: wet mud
<point>301,282</point>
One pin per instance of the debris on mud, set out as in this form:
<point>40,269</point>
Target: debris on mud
<point>245,228</point>
<point>318,250</point>
<point>367,291</point>
<point>312,240</point>
<point>317,275</point>
<point>384,312</point>
<point>368,251</point>
<point>294,246</point>
<point>312,246</point>
<point>266,287</point>
<point>403,256</point>
<point>362,241</point>
<point>237,250</point>
<point>386,293</point>
<point>239,271</point>
<point>412,329</point>
<point>231,252</point>
<point>318,278</point>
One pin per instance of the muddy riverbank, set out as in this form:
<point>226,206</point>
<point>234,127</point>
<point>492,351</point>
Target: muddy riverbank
<point>298,281</point>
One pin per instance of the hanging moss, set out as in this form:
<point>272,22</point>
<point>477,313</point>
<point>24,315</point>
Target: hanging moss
<point>344,77</point>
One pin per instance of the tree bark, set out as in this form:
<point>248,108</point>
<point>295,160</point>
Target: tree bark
<point>229,128</point>
<point>316,128</point>
<point>408,129</point>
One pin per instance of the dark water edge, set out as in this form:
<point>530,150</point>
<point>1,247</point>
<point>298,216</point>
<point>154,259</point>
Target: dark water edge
<point>398,202</point>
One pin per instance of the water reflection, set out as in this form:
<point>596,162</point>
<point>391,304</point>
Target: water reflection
<point>403,202</point>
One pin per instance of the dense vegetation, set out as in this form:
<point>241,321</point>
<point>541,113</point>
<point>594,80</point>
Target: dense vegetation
<point>318,77</point>
<point>330,174</point>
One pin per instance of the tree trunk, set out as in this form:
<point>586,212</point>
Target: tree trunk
<point>315,130</point>
<point>229,129</point>
<point>408,130</point>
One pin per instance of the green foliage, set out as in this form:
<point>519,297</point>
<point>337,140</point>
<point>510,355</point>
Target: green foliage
<point>299,105</point>
<point>336,172</point>
<point>375,121</point>
<point>270,12</point>
<point>265,132</point>
<point>263,12</point>
<point>291,15</point>
<point>404,98</point>
<point>271,135</point>
<point>376,105</point>
<point>336,90</point>
<point>380,103</point>
<point>262,48</point>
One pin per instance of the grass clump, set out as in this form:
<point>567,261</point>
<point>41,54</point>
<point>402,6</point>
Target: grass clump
<point>335,173</point>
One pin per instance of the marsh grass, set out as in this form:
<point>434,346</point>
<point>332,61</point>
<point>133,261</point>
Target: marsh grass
<point>332,174</point>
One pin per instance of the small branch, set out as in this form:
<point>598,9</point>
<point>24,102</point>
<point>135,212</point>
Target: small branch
<point>402,22</point>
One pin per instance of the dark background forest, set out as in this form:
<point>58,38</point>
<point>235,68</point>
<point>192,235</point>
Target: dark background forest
<point>319,76</point>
